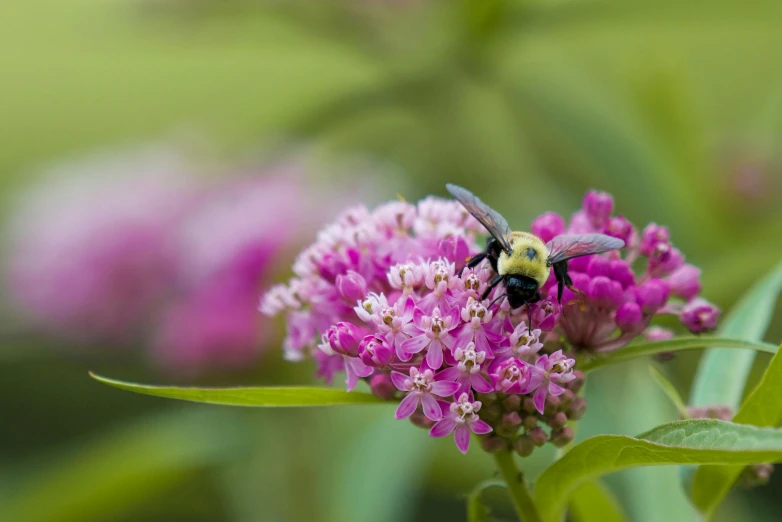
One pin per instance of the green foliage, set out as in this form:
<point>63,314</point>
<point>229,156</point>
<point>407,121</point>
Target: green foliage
<point>763,407</point>
<point>477,511</point>
<point>593,502</point>
<point>676,344</point>
<point>272,396</point>
<point>681,442</point>
<point>722,374</point>
<point>122,467</point>
<point>670,391</point>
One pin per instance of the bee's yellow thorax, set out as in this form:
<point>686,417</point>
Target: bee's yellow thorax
<point>528,259</point>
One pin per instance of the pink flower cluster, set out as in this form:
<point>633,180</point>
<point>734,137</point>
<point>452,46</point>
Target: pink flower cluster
<point>134,249</point>
<point>616,303</point>
<point>385,296</point>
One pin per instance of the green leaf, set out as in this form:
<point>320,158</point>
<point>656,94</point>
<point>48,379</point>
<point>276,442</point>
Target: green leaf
<point>722,374</point>
<point>670,391</point>
<point>477,511</point>
<point>699,441</point>
<point>593,502</point>
<point>121,468</point>
<point>676,344</point>
<point>262,397</point>
<point>762,408</point>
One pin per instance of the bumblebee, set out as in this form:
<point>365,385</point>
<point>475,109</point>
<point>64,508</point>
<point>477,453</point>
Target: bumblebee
<point>521,260</point>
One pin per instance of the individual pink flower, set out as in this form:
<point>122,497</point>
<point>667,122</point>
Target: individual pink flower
<point>598,207</point>
<point>406,277</point>
<point>525,343</point>
<point>476,317</point>
<point>439,277</point>
<point>433,337</point>
<point>548,225</point>
<point>556,370</point>
<point>699,315</point>
<point>343,339</point>
<point>460,418</point>
<point>512,375</point>
<point>375,351</point>
<point>395,323</point>
<point>467,371</point>
<point>685,282</point>
<point>421,389</point>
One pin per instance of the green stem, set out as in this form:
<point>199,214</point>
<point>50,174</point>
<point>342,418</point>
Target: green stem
<point>517,487</point>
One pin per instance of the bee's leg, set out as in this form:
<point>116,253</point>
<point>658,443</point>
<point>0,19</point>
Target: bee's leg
<point>563,280</point>
<point>537,297</point>
<point>494,282</point>
<point>474,261</point>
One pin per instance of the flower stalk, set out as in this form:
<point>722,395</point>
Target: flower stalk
<point>517,487</point>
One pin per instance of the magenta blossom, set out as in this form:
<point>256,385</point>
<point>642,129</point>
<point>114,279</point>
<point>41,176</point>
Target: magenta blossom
<point>421,389</point>
<point>460,418</point>
<point>467,371</point>
<point>556,370</point>
<point>433,337</point>
<point>514,376</point>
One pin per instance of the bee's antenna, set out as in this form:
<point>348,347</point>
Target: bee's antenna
<point>529,316</point>
<point>497,299</point>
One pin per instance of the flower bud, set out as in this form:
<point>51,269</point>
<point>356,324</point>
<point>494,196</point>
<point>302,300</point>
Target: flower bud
<point>652,235</point>
<point>621,273</point>
<point>382,386</point>
<point>493,444</point>
<point>629,317</point>
<point>547,226</point>
<point>374,351</point>
<point>578,408</point>
<point>619,227</point>
<point>598,207</point>
<point>545,314</point>
<point>562,437</point>
<point>530,422</point>
<point>566,399</point>
<point>652,295</point>
<point>492,412</point>
<point>343,338</point>
<point>537,436</point>
<point>605,293</point>
<point>454,247</point>
<point>579,264</point>
<point>528,405</point>
<point>512,403</point>
<point>552,405</point>
<point>685,282</point>
<point>558,420</point>
<point>351,286</point>
<point>524,446</point>
<point>664,259</point>
<point>576,384</point>
<point>420,420</point>
<point>598,266</point>
<point>511,419</point>
<point>699,315</point>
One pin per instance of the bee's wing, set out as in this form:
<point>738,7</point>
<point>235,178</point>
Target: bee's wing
<point>568,246</point>
<point>489,218</point>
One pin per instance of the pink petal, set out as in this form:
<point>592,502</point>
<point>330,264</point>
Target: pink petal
<point>407,311</point>
<point>407,406</point>
<point>414,345</point>
<point>449,374</point>
<point>462,438</point>
<point>540,399</point>
<point>464,336</point>
<point>351,379</point>
<point>480,384</point>
<point>482,344</point>
<point>443,427</point>
<point>358,366</point>
<point>418,318</point>
<point>555,390</point>
<point>399,380</point>
<point>431,408</point>
<point>434,357</point>
<point>447,340</point>
<point>445,388</point>
<point>479,427</point>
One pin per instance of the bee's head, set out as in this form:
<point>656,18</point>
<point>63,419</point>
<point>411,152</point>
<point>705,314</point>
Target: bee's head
<point>522,287</point>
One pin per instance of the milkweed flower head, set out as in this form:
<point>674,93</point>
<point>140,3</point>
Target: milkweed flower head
<point>385,297</point>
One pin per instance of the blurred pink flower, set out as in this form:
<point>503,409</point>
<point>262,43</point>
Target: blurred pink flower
<point>90,251</point>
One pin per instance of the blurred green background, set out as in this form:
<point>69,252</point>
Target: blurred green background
<point>673,107</point>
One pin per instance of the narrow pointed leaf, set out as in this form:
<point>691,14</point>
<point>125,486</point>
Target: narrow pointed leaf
<point>699,441</point>
<point>670,391</point>
<point>722,374</point>
<point>259,397</point>
<point>676,344</point>
<point>593,502</point>
<point>762,408</point>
